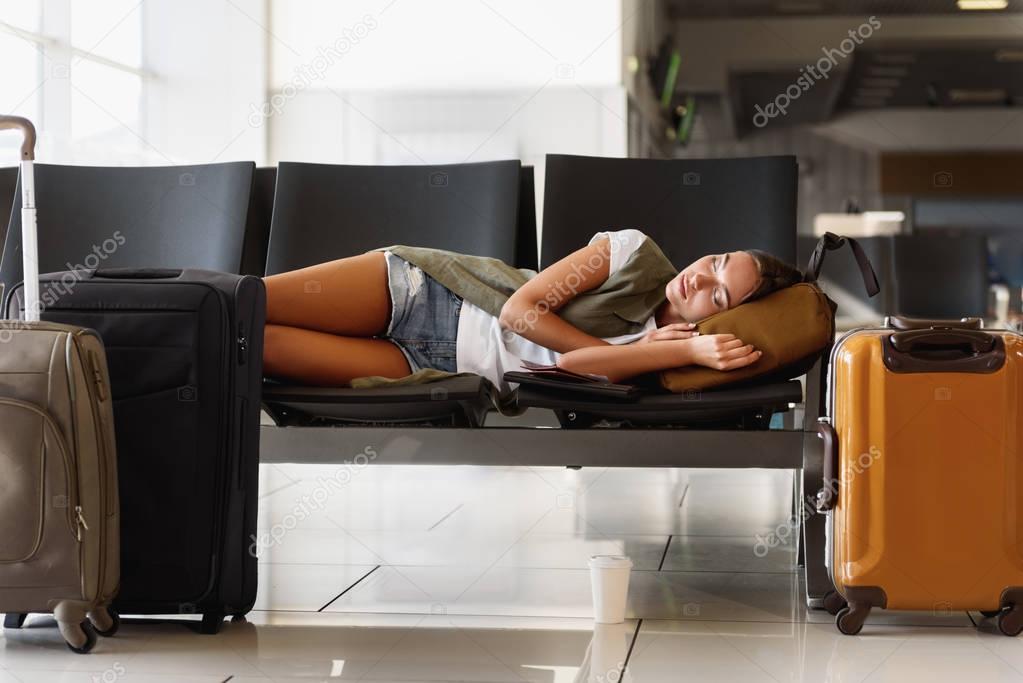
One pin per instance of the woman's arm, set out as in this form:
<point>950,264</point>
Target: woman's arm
<point>531,312</point>
<point>617,363</point>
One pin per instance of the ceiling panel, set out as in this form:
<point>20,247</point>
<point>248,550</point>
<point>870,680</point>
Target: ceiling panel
<point>920,75</point>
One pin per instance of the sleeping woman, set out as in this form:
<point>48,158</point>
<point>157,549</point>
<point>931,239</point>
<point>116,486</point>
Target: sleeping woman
<point>617,308</point>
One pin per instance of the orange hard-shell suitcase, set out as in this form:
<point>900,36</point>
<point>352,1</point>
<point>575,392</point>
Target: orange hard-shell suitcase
<point>923,448</point>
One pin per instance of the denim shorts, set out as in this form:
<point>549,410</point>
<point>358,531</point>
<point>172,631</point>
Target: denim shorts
<point>424,317</point>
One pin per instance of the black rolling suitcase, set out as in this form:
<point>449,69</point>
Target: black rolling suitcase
<point>185,352</point>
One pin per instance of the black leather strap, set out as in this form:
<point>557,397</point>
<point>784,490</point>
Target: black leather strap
<point>831,241</point>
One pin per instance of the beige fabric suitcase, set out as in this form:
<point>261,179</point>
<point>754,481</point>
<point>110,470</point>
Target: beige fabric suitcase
<point>59,513</point>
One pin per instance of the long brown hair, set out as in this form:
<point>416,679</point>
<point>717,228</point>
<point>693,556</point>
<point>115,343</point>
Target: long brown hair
<point>775,274</point>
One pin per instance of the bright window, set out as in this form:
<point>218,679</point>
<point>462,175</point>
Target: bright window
<point>21,89</point>
<point>111,29</point>
<point>104,103</point>
<point>76,70</point>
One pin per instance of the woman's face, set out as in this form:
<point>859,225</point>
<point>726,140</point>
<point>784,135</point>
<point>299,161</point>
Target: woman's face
<point>711,284</point>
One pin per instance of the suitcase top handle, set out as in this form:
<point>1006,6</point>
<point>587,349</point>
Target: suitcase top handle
<point>943,350</point>
<point>911,340</point>
<point>137,273</point>
<point>28,131</point>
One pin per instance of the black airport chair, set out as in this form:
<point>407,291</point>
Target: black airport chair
<point>940,274</point>
<point>690,208</point>
<point>135,217</point>
<point>257,224</point>
<point>526,248</point>
<point>323,212</point>
<point>8,186</point>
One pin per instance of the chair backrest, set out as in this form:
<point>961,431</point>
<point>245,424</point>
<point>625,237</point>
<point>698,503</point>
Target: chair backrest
<point>141,217</point>
<point>257,225</point>
<point>324,212</point>
<point>525,254</point>
<point>1005,250</point>
<point>8,188</point>
<point>689,207</point>
<point>941,274</point>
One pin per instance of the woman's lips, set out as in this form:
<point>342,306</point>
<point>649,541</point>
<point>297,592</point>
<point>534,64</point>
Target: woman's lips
<point>682,288</point>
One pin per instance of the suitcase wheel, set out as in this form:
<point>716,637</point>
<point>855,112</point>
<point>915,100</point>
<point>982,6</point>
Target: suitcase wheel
<point>850,619</point>
<point>14,620</point>
<point>1010,622</point>
<point>90,639</point>
<point>211,623</point>
<point>834,602</point>
<point>106,621</point>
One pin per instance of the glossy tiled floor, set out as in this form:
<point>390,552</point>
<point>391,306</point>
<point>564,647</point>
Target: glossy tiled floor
<point>478,574</point>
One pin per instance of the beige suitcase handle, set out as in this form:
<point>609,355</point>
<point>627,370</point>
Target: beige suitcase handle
<point>29,237</point>
<point>28,131</point>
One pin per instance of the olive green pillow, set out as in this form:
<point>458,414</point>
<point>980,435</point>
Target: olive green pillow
<point>791,326</point>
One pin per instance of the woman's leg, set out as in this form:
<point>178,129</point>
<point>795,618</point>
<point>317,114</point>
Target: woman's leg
<point>349,296</point>
<point>308,310</point>
<point>321,359</point>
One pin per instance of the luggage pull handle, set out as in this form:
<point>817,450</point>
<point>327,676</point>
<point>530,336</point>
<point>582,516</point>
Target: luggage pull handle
<point>976,341</point>
<point>29,238</point>
<point>28,132</point>
<point>902,322</point>
<point>827,496</point>
<point>137,273</point>
<point>943,350</point>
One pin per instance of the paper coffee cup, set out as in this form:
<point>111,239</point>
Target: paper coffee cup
<point>609,578</point>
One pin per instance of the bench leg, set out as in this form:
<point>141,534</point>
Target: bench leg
<point>797,510</point>
<point>815,573</point>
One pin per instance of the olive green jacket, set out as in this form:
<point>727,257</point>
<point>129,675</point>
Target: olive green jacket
<point>621,305</point>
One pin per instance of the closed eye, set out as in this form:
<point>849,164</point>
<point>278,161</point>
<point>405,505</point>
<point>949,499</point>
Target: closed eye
<point>721,296</point>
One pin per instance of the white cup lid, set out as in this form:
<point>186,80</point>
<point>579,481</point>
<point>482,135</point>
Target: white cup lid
<point>610,562</point>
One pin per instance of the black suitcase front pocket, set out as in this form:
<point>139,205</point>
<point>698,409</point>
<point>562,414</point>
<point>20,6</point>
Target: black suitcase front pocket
<point>168,499</point>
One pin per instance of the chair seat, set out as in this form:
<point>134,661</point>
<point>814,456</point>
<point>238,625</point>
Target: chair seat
<point>461,401</point>
<point>747,406</point>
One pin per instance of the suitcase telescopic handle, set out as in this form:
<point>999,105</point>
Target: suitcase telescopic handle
<point>828,494</point>
<point>902,322</point>
<point>28,133</point>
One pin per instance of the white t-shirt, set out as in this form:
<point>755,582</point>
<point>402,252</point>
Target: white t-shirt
<point>484,348</point>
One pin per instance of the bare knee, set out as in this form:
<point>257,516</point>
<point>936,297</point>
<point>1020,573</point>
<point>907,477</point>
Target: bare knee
<point>277,349</point>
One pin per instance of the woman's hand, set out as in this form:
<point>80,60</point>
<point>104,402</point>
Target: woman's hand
<point>619,362</point>
<point>721,352</point>
<point>668,333</point>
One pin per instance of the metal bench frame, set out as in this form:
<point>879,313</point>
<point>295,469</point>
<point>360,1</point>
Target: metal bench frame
<point>792,448</point>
